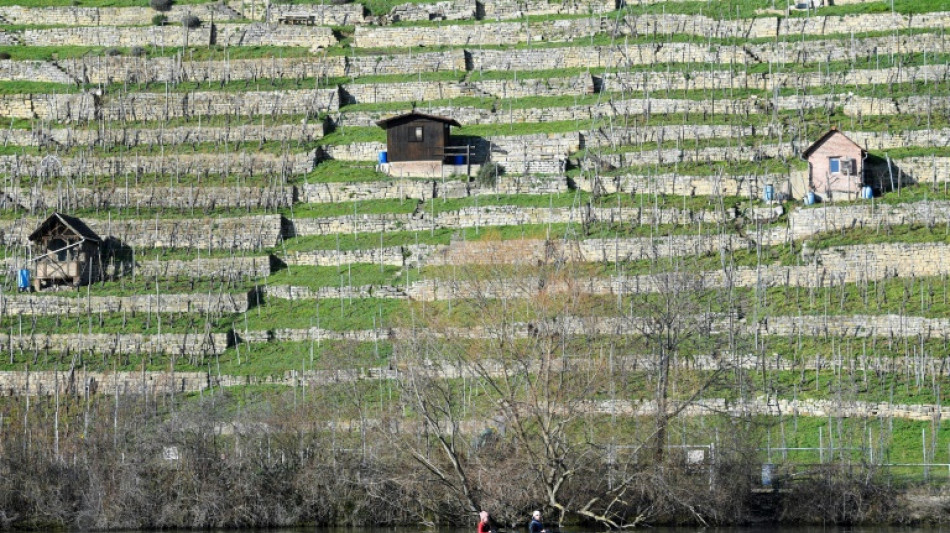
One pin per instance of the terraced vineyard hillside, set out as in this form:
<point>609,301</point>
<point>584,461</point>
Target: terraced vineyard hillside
<point>624,271</point>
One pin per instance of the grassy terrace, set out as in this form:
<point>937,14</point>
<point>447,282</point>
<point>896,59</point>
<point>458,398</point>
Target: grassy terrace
<point>221,53</point>
<point>359,241</point>
<point>924,297</point>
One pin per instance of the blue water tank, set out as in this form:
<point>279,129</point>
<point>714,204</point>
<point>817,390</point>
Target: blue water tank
<point>459,160</point>
<point>23,279</point>
<point>867,192</point>
<point>383,157</point>
<point>769,193</point>
<point>810,198</point>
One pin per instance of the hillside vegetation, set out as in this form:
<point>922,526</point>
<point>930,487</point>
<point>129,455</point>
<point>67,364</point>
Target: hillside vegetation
<point>606,315</point>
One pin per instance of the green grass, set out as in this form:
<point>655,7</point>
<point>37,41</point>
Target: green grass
<point>356,275</point>
<point>331,171</point>
<point>276,358</point>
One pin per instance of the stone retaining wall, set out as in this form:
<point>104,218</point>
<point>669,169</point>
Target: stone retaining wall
<point>158,106</point>
<point>625,56</point>
<point>363,93</point>
<point>122,135</point>
<point>118,343</point>
<point>86,106</point>
<point>226,269</point>
<point>413,189</point>
<point>256,34</point>
<point>500,216</point>
<point>236,233</point>
<point>749,186</point>
<point>803,223</point>
<point>49,305</point>
<point>81,382</point>
<point>515,9</point>
<point>723,79</point>
<point>33,71</point>
<point>445,10</point>
<point>323,14</point>
<point>242,163</point>
<point>119,69</point>
<point>509,33</point>
<point>110,16</point>
<point>105,69</point>
<point>66,199</point>
<point>667,156</point>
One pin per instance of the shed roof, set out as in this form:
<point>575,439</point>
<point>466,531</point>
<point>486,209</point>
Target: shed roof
<point>77,226</point>
<point>830,133</point>
<point>385,123</point>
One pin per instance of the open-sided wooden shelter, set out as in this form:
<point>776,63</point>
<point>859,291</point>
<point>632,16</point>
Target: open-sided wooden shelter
<point>65,251</point>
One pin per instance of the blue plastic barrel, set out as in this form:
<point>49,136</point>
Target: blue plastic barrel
<point>460,160</point>
<point>769,193</point>
<point>810,198</point>
<point>867,192</point>
<point>383,157</point>
<point>23,279</point>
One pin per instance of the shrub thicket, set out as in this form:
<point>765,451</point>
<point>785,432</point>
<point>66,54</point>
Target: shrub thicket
<point>191,22</point>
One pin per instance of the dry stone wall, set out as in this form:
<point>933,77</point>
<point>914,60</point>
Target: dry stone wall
<point>33,71</point>
<point>241,163</point>
<point>694,155</point>
<point>87,106</point>
<point>124,135</point>
<point>118,343</point>
<point>110,16</point>
<point>66,199</point>
<point>405,63</point>
<point>48,305</point>
<point>625,56</point>
<point>500,216</point>
<point>255,34</point>
<point>750,186</point>
<point>412,189</point>
<point>81,382</point>
<point>446,10</point>
<point>509,33</point>
<point>803,223</point>
<point>514,9</point>
<point>724,79</point>
<point>158,106</point>
<point>226,269</point>
<point>234,233</point>
<point>925,169</point>
<point>320,14</point>
<point>362,93</point>
<point>119,69</point>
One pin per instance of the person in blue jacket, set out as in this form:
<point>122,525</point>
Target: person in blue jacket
<point>536,526</point>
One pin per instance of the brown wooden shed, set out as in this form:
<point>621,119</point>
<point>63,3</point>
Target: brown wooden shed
<point>417,137</point>
<point>835,165</point>
<point>66,251</point>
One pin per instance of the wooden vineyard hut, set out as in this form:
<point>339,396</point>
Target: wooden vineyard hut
<point>417,143</point>
<point>835,166</point>
<point>66,251</point>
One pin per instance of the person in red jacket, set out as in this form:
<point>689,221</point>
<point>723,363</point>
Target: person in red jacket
<point>483,524</point>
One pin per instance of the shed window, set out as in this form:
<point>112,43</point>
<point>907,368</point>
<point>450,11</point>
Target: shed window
<point>834,165</point>
<point>57,246</point>
<point>416,135</point>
